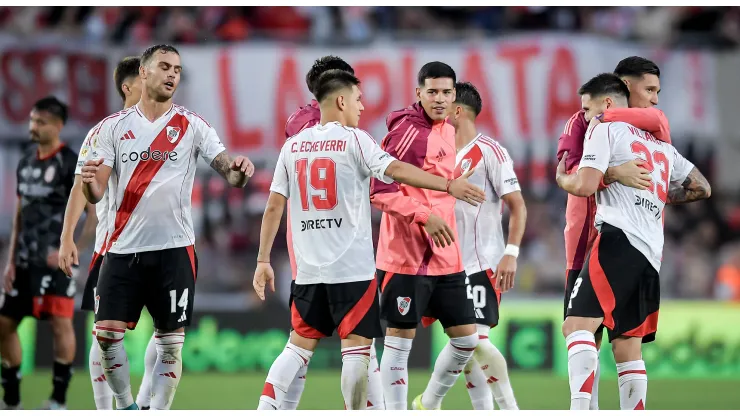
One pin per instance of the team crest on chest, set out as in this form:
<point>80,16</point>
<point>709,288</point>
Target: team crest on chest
<point>173,134</point>
<point>465,165</point>
<point>49,174</point>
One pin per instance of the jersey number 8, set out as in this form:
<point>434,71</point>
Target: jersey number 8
<point>322,176</point>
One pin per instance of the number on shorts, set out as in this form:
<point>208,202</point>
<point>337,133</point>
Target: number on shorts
<point>574,293</point>
<point>323,178</point>
<point>477,294</point>
<point>45,283</point>
<point>183,303</point>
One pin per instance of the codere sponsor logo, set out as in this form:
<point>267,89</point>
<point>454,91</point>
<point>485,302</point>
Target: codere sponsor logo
<point>148,155</point>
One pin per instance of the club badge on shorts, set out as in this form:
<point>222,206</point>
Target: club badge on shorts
<point>97,300</point>
<point>403,304</point>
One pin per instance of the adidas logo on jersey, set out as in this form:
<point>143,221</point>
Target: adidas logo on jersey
<point>128,136</point>
<point>441,154</point>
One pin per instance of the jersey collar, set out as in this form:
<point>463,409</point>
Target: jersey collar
<point>138,111</point>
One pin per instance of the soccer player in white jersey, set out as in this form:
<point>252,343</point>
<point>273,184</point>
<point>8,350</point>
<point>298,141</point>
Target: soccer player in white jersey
<point>149,152</point>
<point>324,173</point>
<point>620,286</point>
<point>490,267</point>
<point>128,84</point>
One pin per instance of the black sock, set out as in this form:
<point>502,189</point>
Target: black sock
<point>11,381</point>
<point>62,375</point>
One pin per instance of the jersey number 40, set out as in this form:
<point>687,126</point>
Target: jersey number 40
<point>322,176</point>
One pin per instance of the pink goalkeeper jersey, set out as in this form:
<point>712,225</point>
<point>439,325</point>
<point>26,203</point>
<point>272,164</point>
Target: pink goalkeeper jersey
<point>404,246</point>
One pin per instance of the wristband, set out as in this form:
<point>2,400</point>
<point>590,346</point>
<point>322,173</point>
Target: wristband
<point>260,261</point>
<point>449,182</point>
<point>511,250</point>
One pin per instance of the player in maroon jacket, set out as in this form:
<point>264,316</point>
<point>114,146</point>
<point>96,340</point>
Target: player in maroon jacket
<point>306,117</point>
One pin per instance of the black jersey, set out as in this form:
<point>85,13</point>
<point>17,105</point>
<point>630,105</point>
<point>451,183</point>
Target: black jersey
<point>43,189</point>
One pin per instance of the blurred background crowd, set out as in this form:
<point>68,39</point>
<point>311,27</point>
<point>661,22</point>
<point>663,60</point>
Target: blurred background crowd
<point>715,27</point>
<point>702,250</point>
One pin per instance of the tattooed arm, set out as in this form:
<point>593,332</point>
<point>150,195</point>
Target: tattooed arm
<point>694,188</point>
<point>236,171</point>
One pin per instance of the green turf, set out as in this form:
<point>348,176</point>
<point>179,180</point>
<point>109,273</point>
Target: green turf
<point>533,391</point>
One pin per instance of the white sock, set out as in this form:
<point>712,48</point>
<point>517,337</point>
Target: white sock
<point>115,364</point>
<point>595,390</point>
<point>144,398</point>
<point>493,364</point>
<point>295,391</point>
<point>475,382</point>
<point>355,361</point>
<point>281,374</point>
<point>394,372</point>
<point>374,383</point>
<point>450,363</point>
<point>582,361</point>
<point>102,393</point>
<point>167,371</point>
<point>633,384</point>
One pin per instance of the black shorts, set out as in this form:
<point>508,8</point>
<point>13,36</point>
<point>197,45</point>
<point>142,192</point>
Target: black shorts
<point>161,280</point>
<point>570,281</point>
<point>485,297</point>
<point>620,285</point>
<point>406,298</point>
<point>91,285</point>
<point>349,308</point>
<point>40,292</point>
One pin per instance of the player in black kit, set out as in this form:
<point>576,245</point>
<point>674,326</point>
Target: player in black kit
<point>33,285</point>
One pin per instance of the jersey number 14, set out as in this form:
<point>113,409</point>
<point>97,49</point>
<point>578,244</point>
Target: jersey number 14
<point>321,174</point>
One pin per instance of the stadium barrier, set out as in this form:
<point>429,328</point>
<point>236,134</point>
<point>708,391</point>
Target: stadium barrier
<point>695,340</point>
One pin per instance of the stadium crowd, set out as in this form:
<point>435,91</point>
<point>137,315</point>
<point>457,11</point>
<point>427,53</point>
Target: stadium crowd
<point>695,26</point>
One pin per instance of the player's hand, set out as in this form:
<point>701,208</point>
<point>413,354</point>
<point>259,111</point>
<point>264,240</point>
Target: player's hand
<point>632,174</point>
<point>9,277</point>
<point>504,273</point>
<point>244,165</point>
<point>89,170</point>
<point>263,276</point>
<point>440,232</point>
<point>463,190</point>
<point>68,257</point>
<point>561,170</point>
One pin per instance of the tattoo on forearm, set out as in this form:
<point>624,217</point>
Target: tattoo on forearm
<point>694,188</point>
<point>221,164</point>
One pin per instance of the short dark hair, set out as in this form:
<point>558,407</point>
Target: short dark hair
<point>52,106</point>
<point>467,95</point>
<point>436,69</point>
<point>636,66</point>
<point>605,84</point>
<point>127,68</point>
<point>332,81</point>
<point>149,53</point>
<point>323,64</point>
